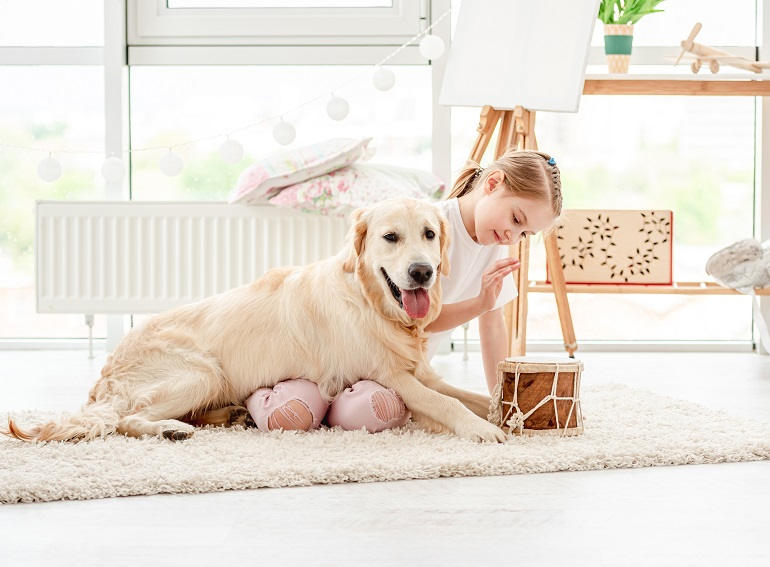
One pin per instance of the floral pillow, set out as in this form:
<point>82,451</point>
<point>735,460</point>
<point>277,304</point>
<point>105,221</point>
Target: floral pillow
<point>339,192</point>
<point>266,177</point>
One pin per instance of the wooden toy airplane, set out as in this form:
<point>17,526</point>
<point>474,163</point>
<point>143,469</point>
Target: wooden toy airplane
<point>703,53</point>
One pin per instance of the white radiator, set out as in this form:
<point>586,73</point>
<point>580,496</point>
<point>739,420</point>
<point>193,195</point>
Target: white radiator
<point>144,257</point>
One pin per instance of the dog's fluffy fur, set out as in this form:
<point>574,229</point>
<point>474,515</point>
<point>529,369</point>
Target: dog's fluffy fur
<point>333,322</point>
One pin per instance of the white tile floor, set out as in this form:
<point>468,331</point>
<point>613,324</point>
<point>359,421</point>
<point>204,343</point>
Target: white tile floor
<point>688,515</point>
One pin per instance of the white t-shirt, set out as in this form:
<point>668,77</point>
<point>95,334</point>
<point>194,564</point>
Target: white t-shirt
<point>468,261</point>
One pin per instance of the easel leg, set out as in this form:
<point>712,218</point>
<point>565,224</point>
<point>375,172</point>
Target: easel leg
<point>517,334</point>
<point>560,292</point>
<point>507,133</point>
<point>487,123</point>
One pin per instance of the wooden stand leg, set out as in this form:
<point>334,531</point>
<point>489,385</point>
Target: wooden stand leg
<point>507,133</point>
<point>560,292</point>
<point>517,343</point>
<point>487,123</point>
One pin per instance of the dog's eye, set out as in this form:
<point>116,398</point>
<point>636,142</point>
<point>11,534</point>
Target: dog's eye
<point>429,234</point>
<point>391,237</point>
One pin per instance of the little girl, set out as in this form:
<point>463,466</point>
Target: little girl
<point>488,209</point>
<point>515,197</point>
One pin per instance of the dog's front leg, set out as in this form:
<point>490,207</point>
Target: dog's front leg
<point>477,403</point>
<point>443,409</point>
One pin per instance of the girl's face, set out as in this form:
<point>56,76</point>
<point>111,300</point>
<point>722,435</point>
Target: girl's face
<point>501,217</point>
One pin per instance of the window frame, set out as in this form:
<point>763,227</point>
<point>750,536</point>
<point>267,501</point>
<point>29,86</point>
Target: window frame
<point>51,55</point>
<point>152,22</point>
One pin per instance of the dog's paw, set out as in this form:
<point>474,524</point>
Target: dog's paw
<point>480,430</point>
<point>239,415</point>
<point>176,435</point>
<point>175,430</point>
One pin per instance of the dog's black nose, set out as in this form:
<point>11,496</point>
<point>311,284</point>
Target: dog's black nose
<point>420,273</point>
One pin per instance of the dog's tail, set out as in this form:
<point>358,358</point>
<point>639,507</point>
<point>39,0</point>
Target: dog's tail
<point>94,420</point>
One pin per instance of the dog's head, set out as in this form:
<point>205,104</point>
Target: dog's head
<point>398,248</point>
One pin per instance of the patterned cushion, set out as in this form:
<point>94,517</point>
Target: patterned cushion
<point>266,177</point>
<point>339,192</point>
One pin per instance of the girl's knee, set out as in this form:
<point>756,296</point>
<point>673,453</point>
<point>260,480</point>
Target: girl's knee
<point>293,415</point>
<point>292,404</point>
<point>368,404</point>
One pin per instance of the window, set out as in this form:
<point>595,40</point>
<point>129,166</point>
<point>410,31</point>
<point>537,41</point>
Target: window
<point>721,26</point>
<point>694,155</point>
<point>216,99</point>
<point>61,106</point>
<point>49,107</point>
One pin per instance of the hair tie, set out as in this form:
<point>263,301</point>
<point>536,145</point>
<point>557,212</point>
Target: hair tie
<point>551,161</point>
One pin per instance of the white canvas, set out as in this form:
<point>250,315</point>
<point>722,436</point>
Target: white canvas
<point>530,53</point>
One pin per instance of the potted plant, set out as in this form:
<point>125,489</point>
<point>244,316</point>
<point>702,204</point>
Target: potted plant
<point>619,17</point>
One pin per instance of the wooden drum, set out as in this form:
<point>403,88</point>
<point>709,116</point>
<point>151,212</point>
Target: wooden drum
<point>538,396</point>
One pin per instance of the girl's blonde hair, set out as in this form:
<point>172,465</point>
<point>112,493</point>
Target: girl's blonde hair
<point>527,173</point>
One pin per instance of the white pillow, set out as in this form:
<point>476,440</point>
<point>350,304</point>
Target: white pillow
<point>341,191</point>
<point>266,177</point>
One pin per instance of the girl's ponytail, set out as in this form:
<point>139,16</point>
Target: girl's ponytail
<point>465,180</point>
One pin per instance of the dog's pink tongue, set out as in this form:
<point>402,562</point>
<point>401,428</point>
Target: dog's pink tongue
<point>416,302</point>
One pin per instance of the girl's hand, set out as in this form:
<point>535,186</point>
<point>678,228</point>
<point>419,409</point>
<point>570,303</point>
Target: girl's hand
<point>492,282</point>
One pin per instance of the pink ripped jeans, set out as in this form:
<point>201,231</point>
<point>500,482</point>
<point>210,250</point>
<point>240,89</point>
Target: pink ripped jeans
<point>298,404</point>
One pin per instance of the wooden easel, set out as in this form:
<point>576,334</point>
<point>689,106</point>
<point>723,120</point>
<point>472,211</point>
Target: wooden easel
<point>517,129</point>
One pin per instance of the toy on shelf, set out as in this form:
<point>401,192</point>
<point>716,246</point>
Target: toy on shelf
<point>744,265</point>
<point>714,57</point>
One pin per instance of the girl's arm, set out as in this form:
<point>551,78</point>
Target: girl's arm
<point>493,336</point>
<point>453,314</point>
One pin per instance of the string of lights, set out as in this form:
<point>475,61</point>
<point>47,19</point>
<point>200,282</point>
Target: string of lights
<point>431,47</point>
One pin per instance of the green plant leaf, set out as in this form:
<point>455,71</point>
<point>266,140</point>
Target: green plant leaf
<point>626,11</point>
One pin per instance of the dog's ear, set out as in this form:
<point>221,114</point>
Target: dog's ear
<point>356,236</point>
<point>443,266</point>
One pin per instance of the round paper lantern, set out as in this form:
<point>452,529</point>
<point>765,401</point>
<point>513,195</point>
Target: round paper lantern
<point>112,170</point>
<point>432,47</point>
<point>231,151</point>
<point>49,169</point>
<point>383,79</point>
<point>337,108</point>
<point>284,133</point>
<point>171,164</point>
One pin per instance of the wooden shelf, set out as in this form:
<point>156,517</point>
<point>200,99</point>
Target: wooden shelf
<point>684,288</point>
<point>731,85</point>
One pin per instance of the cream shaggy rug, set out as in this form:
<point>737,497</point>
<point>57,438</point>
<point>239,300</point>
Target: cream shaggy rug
<point>624,428</point>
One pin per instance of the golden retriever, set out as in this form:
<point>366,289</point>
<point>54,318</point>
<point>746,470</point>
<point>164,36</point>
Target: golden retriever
<point>358,315</point>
